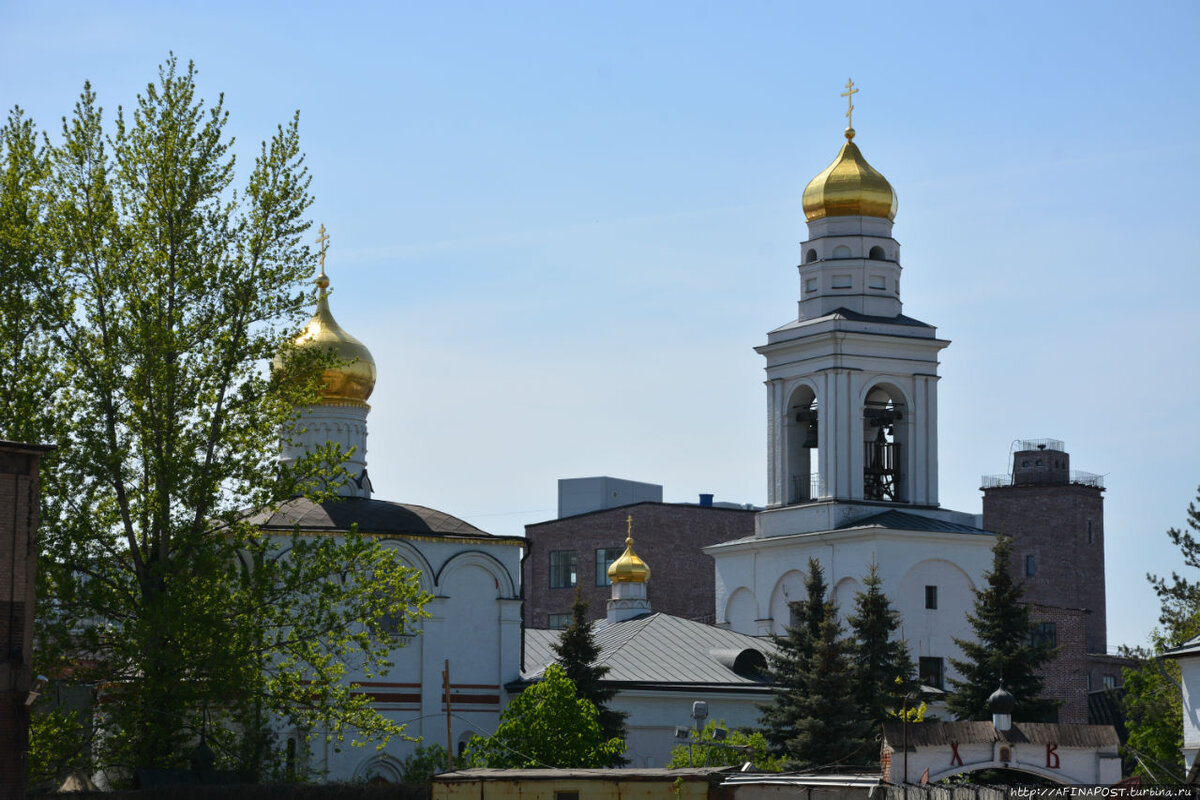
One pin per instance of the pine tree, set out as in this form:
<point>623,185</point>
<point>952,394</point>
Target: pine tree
<point>577,653</point>
<point>830,729</point>
<point>787,667</point>
<point>1003,651</point>
<point>882,666</point>
<point>812,718</point>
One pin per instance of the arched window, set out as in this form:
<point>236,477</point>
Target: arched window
<point>841,251</point>
<point>877,253</point>
<point>810,256</point>
<point>801,469</point>
<point>884,434</point>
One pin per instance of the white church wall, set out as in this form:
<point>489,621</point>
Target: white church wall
<point>654,715</point>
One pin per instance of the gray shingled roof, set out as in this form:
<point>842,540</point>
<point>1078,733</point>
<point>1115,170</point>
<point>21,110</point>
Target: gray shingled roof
<point>940,733</point>
<point>663,649</point>
<point>902,520</point>
<point>1190,647</point>
<point>372,516</point>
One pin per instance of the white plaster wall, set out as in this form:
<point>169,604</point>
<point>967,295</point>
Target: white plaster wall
<point>653,715</point>
<point>1189,667</point>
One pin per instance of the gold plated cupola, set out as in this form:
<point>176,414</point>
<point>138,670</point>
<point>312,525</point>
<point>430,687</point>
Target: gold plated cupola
<point>629,568</point>
<point>849,186</point>
<point>353,379</point>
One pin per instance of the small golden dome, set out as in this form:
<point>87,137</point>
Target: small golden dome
<point>628,568</point>
<point>849,187</point>
<point>352,381</point>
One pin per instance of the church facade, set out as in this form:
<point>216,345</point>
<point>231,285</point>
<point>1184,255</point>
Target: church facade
<point>852,440</point>
<point>471,641</point>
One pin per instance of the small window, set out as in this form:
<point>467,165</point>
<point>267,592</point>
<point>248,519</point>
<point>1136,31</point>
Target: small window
<point>1044,633</point>
<point>1089,681</point>
<point>878,282</point>
<point>877,253</point>
<point>842,282</point>
<point>810,257</point>
<point>1038,463</point>
<point>1030,565</point>
<point>605,556</point>
<point>1110,681</point>
<point>931,597</point>
<point>1090,537</point>
<point>561,795</point>
<point>810,285</point>
<point>841,251</point>
<point>932,672</point>
<point>557,622</point>
<point>563,567</point>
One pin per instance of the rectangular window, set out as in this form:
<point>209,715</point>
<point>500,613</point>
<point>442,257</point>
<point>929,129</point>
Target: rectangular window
<point>563,566</point>
<point>931,597</point>
<point>561,795</point>
<point>1090,537</point>
<point>932,672</point>
<point>1044,633</point>
<point>842,282</point>
<point>556,622</point>
<point>1030,566</point>
<point>1110,681</point>
<point>878,282</point>
<point>810,285</point>
<point>604,558</point>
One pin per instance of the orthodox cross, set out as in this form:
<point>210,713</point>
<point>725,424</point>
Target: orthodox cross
<point>849,95</point>
<point>629,524</point>
<point>323,240</point>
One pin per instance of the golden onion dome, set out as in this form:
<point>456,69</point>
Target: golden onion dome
<point>849,187</point>
<point>629,568</point>
<point>353,379</point>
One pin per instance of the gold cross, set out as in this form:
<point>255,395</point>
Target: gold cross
<point>323,240</point>
<point>629,522</point>
<point>849,95</point>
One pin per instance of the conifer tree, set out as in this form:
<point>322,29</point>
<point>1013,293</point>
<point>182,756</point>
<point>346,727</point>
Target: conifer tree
<point>1003,651</point>
<point>883,669</point>
<point>577,653</point>
<point>813,718</point>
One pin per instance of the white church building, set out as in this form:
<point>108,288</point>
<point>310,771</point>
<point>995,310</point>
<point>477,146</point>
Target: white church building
<point>852,440</point>
<point>474,626</point>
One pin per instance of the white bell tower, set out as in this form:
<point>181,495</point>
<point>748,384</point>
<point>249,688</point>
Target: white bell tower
<point>852,382</point>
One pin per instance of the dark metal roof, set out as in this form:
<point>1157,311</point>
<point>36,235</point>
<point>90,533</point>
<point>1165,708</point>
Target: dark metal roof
<point>371,516</point>
<point>709,774</point>
<point>902,520</point>
<point>1190,647</point>
<point>900,319</point>
<point>664,649</point>
<point>933,734</point>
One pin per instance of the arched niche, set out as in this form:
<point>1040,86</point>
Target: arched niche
<point>802,453</point>
<point>788,589</point>
<point>845,592</point>
<point>741,611</point>
<point>886,426</point>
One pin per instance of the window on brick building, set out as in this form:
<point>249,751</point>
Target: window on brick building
<point>563,568</point>
<point>605,556</point>
<point>1090,537</point>
<point>556,622</point>
<point>932,672</point>
<point>1110,681</point>
<point>1044,633</point>
<point>931,597</point>
<point>1030,566</point>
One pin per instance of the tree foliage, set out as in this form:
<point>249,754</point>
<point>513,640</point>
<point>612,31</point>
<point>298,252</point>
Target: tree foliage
<point>883,670</point>
<point>735,749</point>
<point>812,718</point>
<point>577,653</point>
<point>1003,651</point>
<point>147,295</point>
<point>548,725</point>
<point>1153,703</point>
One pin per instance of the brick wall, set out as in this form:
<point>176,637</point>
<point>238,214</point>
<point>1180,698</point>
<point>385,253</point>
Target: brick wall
<point>667,536</point>
<point>1064,678</point>
<point>18,522</point>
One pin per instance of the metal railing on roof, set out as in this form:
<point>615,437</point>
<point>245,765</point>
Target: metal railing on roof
<point>1077,477</point>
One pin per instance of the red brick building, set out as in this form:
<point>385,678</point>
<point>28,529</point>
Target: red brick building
<point>577,550</point>
<point>19,507</point>
<point>1055,517</point>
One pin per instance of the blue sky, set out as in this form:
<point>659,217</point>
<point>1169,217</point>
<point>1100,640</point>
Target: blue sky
<point>562,227</point>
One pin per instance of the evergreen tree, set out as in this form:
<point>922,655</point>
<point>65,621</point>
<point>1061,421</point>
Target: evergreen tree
<point>1003,652</point>
<point>831,730</point>
<point>812,718</point>
<point>883,670</point>
<point>577,653</point>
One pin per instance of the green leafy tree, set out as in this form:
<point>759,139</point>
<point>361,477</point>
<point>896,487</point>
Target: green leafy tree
<point>1153,701</point>
<point>812,718</point>
<point>577,653</point>
<point>548,725</point>
<point>1003,651</point>
<point>152,294</point>
<point>883,670</point>
<point>735,749</point>
<point>423,763</point>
